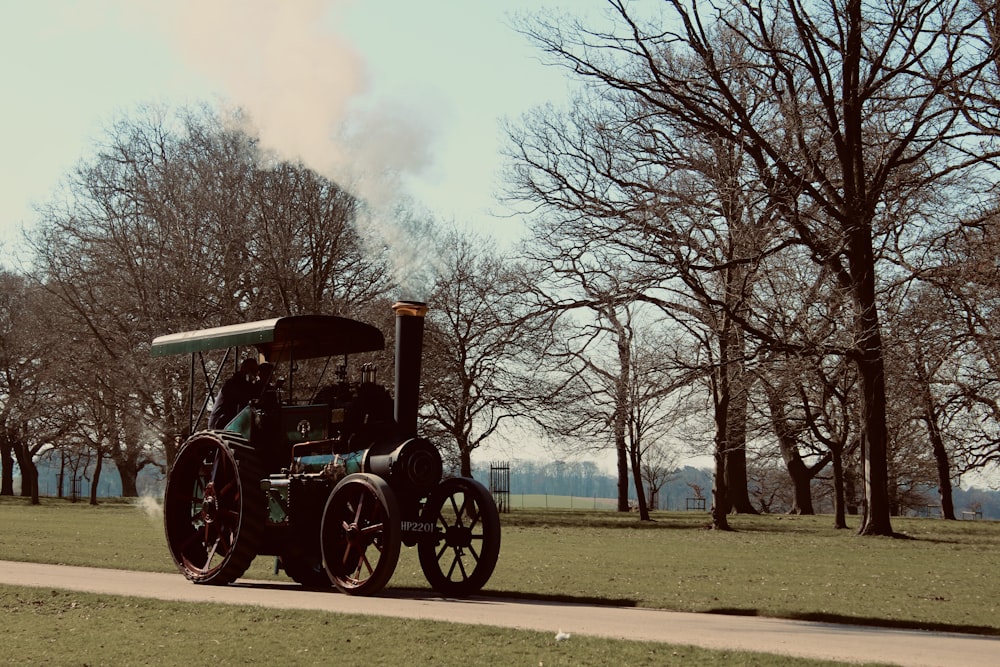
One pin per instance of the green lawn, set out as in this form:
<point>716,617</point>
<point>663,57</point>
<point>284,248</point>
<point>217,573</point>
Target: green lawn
<point>936,575</point>
<point>43,627</point>
<point>939,574</point>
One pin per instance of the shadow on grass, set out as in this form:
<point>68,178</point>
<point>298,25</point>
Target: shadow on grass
<point>583,600</point>
<point>602,520</point>
<point>427,593</point>
<point>561,599</point>
<point>839,619</point>
<point>931,540</point>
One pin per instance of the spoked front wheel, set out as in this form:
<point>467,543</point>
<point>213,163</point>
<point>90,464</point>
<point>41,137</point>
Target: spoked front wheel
<point>360,534</point>
<point>467,524</point>
<point>213,510</point>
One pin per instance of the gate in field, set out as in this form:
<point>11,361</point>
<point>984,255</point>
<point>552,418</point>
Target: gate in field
<point>694,504</point>
<point>500,484</point>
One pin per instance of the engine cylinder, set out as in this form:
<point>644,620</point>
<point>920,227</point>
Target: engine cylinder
<point>412,468</point>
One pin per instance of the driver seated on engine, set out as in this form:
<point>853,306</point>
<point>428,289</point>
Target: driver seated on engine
<point>235,394</point>
<point>267,388</point>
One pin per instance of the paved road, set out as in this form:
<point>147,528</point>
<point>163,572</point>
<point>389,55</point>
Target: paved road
<point>812,640</point>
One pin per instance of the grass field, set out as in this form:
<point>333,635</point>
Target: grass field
<point>519,501</point>
<point>936,575</point>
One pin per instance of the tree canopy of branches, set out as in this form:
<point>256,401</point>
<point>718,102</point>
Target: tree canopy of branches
<point>838,116</point>
<point>29,400</point>
<point>611,377</point>
<point>475,371</point>
<point>179,221</point>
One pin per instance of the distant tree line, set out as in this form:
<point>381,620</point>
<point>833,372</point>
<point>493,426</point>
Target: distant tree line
<point>581,480</point>
<point>767,232</point>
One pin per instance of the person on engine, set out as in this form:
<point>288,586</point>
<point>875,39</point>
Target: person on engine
<point>236,394</point>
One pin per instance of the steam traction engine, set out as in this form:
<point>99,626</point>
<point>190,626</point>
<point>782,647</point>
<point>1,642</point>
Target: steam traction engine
<point>331,486</point>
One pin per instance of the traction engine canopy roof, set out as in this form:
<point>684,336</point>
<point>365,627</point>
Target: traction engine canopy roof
<point>280,339</point>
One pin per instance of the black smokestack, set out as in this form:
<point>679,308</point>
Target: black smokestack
<point>409,348</point>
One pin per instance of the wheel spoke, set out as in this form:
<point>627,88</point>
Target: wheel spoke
<point>346,559</point>
<point>213,473</point>
<point>473,517</point>
<point>210,555</point>
<point>372,531</point>
<point>455,510</point>
<point>368,566</point>
<point>360,506</point>
<point>224,545</point>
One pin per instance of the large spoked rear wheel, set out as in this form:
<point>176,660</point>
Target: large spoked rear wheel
<point>467,525</point>
<point>213,510</point>
<point>360,534</point>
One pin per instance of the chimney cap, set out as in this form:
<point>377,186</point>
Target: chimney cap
<point>414,308</point>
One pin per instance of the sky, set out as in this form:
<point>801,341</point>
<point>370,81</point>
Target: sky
<point>421,86</point>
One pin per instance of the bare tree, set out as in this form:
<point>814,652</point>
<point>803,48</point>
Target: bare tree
<point>179,221</point>
<point>966,280</point>
<point>659,467</point>
<point>792,435</point>
<point>306,255</point>
<point>28,383</point>
<point>858,110</point>
<point>658,390</point>
<point>611,380</point>
<point>598,173</point>
<point>475,377</point>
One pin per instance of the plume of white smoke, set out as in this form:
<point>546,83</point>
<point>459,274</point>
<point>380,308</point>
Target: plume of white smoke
<point>151,507</point>
<point>278,60</point>
<point>305,87</point>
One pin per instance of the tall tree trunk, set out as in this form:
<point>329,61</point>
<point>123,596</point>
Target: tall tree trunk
<point>29,474</point>
<point>6,469</point>
<point>941,459</point>
<point>720,499</point>
<point>943,470</point>
<point>737,393</point>
<point>621,450</point>
<point>61,476</point>
<point>856,222</point>
<point>802,485</point>
<point>737,486</point>
<point>851,486</point>
<point>839,488</point>
<point>871,374</point>
<point>97,477</point>
<point>128,471</point>
<point>720,494</point>
<point>465,457</point>
<point>640,490</point>
<point>622,408</point>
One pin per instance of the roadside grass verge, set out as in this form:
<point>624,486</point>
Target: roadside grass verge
<point>43,627</point>
<point>937,575</point>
